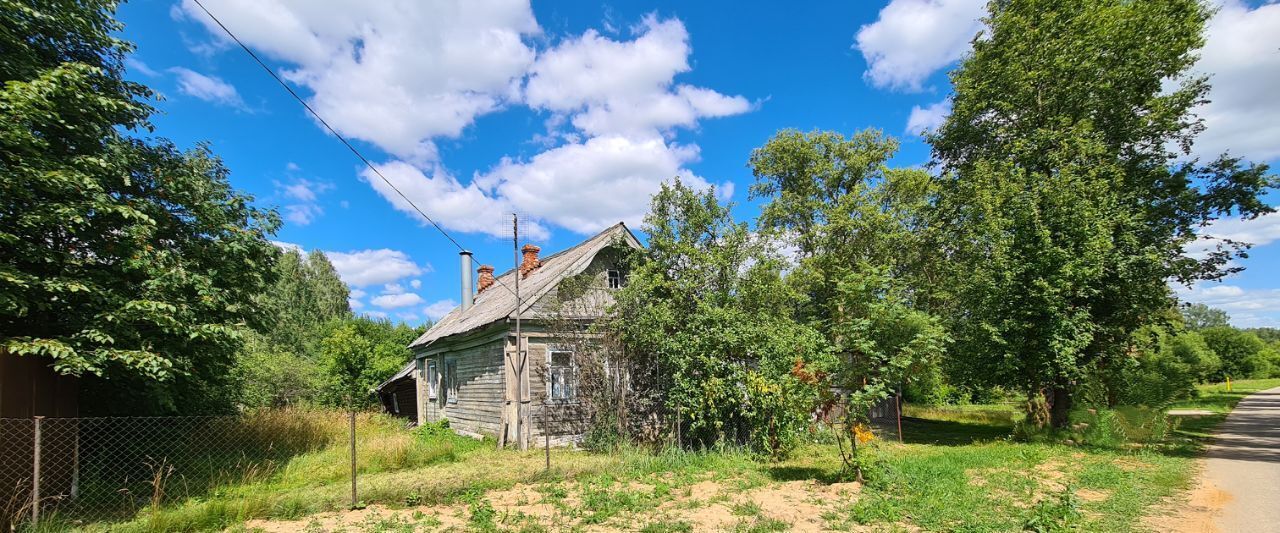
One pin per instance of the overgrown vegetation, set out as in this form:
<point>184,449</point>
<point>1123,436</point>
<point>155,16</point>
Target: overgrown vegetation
<point>958,470</point>
<point>121,257</point>
<point>1028,265</point>
<point>707,324</point>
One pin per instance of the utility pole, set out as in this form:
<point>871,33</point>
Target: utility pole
<point>521,437</point>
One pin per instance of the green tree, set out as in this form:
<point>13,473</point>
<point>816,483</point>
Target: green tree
<point>269,375</point>
<point>1066,202</point>
<point>1269,335</point>
<point>1164,365</point>
<point>1243,354</point>
<point>346,356</point>
<point>858,228</point>
<point>706,322</point>
<point>120,258</point>
<point>307,295</point>
<point>1201,316</point>
<point>359,353</point>
<point>328,292</point>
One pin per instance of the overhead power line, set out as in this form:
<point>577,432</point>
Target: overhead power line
<point>326,125</point>
<point>335,133</point>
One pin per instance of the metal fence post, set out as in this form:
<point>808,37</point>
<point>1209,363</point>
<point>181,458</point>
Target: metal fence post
<point>546,433</point>
<point>354,501</point>
<point>35,472</point>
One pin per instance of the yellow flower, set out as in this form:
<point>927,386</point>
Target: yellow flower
<point>863,433</point>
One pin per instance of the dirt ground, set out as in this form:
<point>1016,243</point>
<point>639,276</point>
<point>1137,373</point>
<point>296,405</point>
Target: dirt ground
<point>1193,512</point>
<point>707,505</point>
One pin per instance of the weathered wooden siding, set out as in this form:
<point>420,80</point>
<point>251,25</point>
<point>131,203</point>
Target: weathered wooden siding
<point>482,388</point>
<point>400,398</point>
<point>565,420</point>
<point>598,298</point>
<point>30,387</point>
<point>478,409</point>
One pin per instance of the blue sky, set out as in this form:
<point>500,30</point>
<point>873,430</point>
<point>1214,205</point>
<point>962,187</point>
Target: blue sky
<point>572,112</point>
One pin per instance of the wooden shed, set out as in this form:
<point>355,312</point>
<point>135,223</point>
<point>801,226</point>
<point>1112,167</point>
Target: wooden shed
<point>399,393</point>
<point>30,388</point>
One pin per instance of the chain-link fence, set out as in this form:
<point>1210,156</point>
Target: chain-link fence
<point>80,470</point>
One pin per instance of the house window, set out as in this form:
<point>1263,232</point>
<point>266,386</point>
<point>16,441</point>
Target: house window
<point>433,380</point>
<point>451,380</point>
<point>560,375</point>
<point>616,279</point>
<point>395,404</point>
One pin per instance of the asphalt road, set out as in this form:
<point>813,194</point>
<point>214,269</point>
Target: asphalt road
<point>1244,462</point>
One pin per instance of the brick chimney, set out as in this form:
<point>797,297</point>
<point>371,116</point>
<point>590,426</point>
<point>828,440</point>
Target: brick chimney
<point>486,278</point>
<point>531,261</point>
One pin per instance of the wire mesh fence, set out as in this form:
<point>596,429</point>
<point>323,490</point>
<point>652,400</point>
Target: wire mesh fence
<point>80,470</point>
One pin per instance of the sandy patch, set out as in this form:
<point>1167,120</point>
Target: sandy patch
<point>802,503</point>
<point>1050,475</point>
<point>1129,464</point>
<point>358,520</point>
<point>708,505</point>
<point>1191,512</point>
<point>1091,496</point>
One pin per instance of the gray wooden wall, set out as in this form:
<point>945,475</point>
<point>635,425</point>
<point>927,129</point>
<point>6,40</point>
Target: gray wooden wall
<point>478,409</point>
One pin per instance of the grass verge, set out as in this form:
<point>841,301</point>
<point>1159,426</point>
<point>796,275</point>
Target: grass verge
<point>957,469</point>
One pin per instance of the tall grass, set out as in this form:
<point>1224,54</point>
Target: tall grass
<point>262,463</point>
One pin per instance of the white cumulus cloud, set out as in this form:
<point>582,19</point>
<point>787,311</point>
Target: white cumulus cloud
<point>1242,57</point>
<point>912,39</point>
<point>1259,231</point>
<point>303,196</point>
<point>395,301</point>
<point>396,73</point>
<point>625,87</point>
<point>402,74</point>
<point>599,182</point>
<point>1247,307</point>
<point>437,310</point>
<point>447,201</point>
<point>207,88</point>
<point>373,267</point>
<point>928,118</point>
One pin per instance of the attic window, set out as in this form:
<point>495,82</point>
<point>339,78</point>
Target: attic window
<point>616,279</point>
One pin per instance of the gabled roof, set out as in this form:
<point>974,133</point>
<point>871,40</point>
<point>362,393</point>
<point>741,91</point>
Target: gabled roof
<point>405,371</point>
<point>498,302</point>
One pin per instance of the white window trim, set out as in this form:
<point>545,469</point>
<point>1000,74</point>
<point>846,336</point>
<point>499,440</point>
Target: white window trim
<point>573,372</point>
<point>451,382</point>
<point>433,380</point>
<point>611,273</point>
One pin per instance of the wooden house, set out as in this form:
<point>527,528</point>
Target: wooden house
<point>468,367</point>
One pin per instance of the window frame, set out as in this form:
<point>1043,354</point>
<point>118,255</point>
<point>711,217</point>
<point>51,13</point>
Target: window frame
<point>451,380</point>
<point>614,279</point>
<point>568,374</point>
<point>433,380</point>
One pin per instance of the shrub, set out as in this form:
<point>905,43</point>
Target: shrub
<point>1055,514</point>
<point>602,434</point>
<point>1114,428</point>
<point>1243,354</point>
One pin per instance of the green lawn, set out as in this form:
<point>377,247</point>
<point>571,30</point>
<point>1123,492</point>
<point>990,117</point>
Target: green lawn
<point>957,470</point>
<point>1214,397</point>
